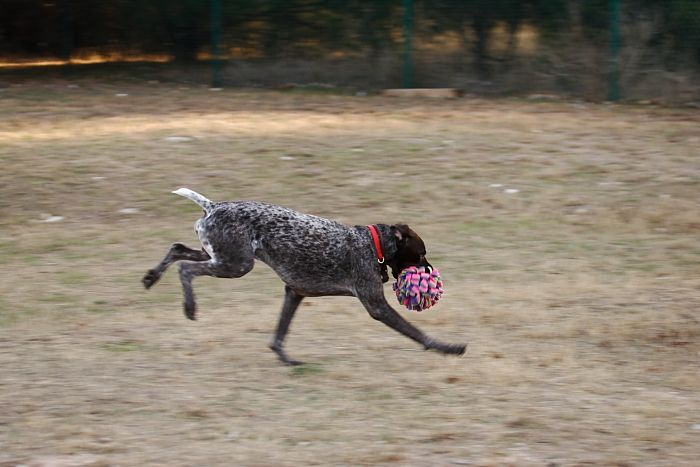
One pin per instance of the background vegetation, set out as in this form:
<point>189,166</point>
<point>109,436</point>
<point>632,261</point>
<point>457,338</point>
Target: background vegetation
<point>502,46</point>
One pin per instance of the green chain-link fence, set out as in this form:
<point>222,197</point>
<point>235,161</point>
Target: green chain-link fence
<point>629,49</point>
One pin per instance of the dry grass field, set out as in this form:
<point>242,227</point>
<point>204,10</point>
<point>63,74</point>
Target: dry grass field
<point>566,233</point>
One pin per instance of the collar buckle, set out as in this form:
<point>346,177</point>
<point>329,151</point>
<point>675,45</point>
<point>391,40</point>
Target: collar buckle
<point>377,245</point>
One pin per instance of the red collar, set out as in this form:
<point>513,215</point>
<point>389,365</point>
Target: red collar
<point>377,245</point>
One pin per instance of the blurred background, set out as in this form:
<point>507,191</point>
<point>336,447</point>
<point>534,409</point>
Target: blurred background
<point>597,49</point>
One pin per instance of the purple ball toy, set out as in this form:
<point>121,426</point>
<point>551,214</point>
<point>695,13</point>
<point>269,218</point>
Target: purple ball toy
<point>417,289</point>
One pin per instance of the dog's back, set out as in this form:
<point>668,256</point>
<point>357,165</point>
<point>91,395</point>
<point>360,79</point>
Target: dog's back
<point>306,251</point>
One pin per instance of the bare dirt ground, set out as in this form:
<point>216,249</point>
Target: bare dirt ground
<point>566,233</point>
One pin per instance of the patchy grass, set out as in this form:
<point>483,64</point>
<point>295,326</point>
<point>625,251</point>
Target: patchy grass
<point>306,369</point>
<point>125,346</point>
<point>566,234</point>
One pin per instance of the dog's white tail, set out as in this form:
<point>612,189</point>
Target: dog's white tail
<point>204,202</point>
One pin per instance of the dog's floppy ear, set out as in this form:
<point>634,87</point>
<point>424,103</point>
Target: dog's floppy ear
<point>400,232</point>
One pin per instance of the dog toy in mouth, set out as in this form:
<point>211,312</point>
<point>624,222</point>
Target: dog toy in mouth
<point>418,289</point>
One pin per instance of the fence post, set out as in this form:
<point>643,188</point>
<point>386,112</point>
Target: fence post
<point>215,6</point>
<point>407,75</point>
<point>614,42</point>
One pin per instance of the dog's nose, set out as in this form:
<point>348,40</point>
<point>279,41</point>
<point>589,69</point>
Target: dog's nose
<point>424,262</point>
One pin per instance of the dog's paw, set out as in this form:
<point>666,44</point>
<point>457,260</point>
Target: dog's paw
<point>447,349</point>
<point>150,278</point>
<point>456,349</point>
<point>190,309</point>
<point>283,357</point>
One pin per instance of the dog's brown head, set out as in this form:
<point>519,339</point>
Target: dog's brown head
<point>410,250</point>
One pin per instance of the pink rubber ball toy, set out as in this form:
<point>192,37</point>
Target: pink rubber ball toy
<point>418,289</point>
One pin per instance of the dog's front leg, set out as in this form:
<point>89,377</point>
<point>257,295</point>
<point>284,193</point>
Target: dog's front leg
<point>379,309</point>
<point>291,303</point>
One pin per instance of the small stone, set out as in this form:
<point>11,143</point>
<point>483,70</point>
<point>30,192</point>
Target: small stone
<point>53,219</point>
<point>511,191</point>
<point>696,426</point>
<point>286,158</point>
<point>129,211</point>
<point>97,179</point>
<point>216,89</point>
<point>178,139</point>
<point>121,94</point>
<point>495,185</point>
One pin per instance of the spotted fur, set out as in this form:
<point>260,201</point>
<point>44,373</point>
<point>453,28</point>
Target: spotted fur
<point>312,255</point>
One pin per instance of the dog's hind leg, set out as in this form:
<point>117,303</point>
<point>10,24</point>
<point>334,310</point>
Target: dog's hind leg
<point>191,269</point>
<point>379,309</point>
<point>291,303</point>
<point>177,252</point>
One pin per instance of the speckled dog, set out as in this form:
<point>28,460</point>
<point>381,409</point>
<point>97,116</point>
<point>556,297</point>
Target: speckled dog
<point>313,256</point>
